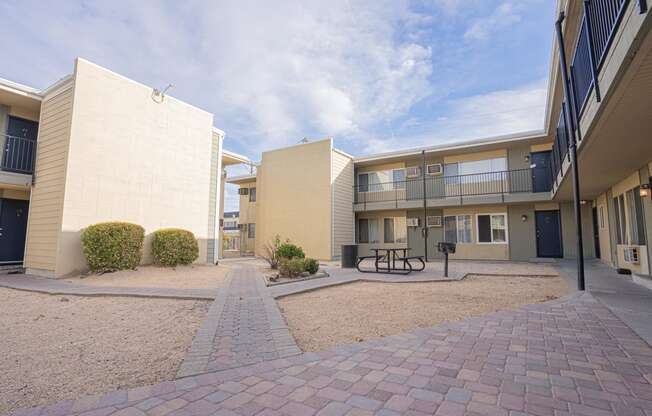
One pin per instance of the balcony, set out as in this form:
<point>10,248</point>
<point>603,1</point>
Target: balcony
<point>479,188</point>
<point>599,25</point>
<point>17,160</point>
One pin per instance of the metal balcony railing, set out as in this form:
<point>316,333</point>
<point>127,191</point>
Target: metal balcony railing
<point>440,187</point>
<point>598,28</point>
<point>18,154</point>
<point>599,25</point>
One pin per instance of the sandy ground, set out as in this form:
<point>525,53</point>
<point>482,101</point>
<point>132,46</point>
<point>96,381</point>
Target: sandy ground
<point>182,277</point>
<point>365,310</point>
<point>60,347</point>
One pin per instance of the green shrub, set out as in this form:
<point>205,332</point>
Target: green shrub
<point>311,266</point>
<point>174,246</point>
<point>291,267</point>
<point>288,250</point>
<point>111,246</point>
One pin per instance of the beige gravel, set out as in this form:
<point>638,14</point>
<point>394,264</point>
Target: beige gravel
<point>62,347</point>
<point>182,277</point>
<point>365,310</point>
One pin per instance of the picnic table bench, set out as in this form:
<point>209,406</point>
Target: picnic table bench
<point>385,261</point>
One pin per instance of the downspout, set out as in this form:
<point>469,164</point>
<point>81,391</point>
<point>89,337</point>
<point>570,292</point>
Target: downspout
<point>424,230</point>
<point>217,234</point>
<point>573,154</point>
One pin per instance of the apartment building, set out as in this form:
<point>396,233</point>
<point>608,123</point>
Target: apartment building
<point>502,198</point>
<point>97,146</point>
<point>247,213</point>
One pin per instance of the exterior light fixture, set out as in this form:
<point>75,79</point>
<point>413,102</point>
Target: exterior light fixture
<point>523,217</point>
<point>583,202</point>
<point>645,190</point>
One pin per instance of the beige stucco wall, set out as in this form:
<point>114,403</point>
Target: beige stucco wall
<point>468,157</point>
<point>475,250</point>
<point>342,202</point>
<point>47,195</point>
<point>294,197</point>
<point>131,159</point>
<point>248,216</point>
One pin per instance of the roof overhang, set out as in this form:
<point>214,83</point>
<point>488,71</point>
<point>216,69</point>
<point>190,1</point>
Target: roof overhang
<point>237,180</point>
<point>18,95</point>
<point>536,136</point>
<point>232,158</point>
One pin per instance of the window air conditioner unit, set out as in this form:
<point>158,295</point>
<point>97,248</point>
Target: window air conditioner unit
<point>413,222</point>
<point>413,172</point>
<point>433,220</point>
<point>631,255</point>
<point>435,169</point>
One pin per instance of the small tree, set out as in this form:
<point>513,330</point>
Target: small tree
<point>271,248</point>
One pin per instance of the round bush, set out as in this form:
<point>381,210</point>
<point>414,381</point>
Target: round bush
<point>289,251</point>
<point>174,246</point>
<point>111,246</point>
<point>311,266</point>
<point>291,267</point>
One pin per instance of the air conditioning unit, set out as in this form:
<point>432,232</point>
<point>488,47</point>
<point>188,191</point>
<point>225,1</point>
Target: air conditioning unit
<point>631,255</point>
<point>413,172</point>
<point>433,220</point>
<point>243,191</point>
<point>435,169</point>
<point>413,222</point>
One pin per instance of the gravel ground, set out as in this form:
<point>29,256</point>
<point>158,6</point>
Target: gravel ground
<point>61,347</point>
<point>364,310</point>
<point>182,277</point>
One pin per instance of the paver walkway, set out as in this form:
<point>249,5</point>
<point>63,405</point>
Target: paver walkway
<point>61,287</point>
<point>570,356</point>
<point>629,301</point>
<point>243,326</point>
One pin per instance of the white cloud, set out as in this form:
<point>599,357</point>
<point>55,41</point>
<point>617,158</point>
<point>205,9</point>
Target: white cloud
<point>503,16</point>
<point>485,115</point>
<point>271,72</point>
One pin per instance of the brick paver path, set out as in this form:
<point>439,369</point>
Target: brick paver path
<point>570,356</point>
<point>244,326</point>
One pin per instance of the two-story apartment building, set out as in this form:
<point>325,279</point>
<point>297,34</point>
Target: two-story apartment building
<point>97,146</point>
<point>504,198</point>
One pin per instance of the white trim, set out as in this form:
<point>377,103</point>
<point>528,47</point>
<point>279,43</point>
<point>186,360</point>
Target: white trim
<point>477,228</point>
<point>20,89</point>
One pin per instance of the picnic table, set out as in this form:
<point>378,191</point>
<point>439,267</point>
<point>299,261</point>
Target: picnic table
<point>385,261</point>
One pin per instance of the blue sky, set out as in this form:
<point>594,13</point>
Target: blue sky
<point>376,75</point>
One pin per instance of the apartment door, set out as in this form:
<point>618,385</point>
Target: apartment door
<point>548,227</point>
<point>20,145</point>
<point>596,233</point>
<point>541,173</point>
<point>13,227</point>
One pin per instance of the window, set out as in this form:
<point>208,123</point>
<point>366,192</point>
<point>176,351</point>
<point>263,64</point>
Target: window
<point>388,230</point>
<point>368,231</point>
<point>601,210</point>
<point>457,229</point>
<point>619,208</point>
<point>434,169</point>
<point>385,180</point>
<point>251,231</point>
<point>635,217</point>
<point>475,168</point>
<point>252,194</point>
<point>492,228</point>
<point>243,191</point>
<point>395,230</point>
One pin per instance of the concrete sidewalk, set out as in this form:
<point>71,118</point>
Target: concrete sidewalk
<point>629,301</point>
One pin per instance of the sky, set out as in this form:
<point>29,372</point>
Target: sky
<point>375,75</point>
